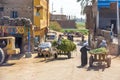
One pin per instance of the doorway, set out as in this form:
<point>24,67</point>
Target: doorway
<point>18,43</point>
<point>115,27</point>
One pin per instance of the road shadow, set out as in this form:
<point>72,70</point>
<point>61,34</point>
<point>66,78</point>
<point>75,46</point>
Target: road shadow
<point>97,67</point>
<point>16,56</point>
<point>115,56</point>
<point>58,59</point>
<point>81,66</point>
<point>38,57</point>
<point>7,64</point>
<point>50,59</point>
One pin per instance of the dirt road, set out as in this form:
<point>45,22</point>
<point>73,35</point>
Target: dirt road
<point>60,69</point>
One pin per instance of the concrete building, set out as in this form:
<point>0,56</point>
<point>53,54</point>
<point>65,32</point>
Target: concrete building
<point>58,17</point>
<point>35,10</point>
<point>66,22</point>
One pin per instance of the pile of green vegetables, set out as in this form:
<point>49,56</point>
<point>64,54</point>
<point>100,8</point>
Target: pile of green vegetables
<point>98,51</point>
<point>66,45</point>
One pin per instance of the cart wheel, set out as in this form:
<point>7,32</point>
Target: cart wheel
<point>108,60</point>
<point>55,56</point>
<point>38,54</point>
<point>69,55</point>
<point>91,61</point>
<point>2,56</point>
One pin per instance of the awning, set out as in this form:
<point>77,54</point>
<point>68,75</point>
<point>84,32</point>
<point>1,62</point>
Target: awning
<point>106,3</point>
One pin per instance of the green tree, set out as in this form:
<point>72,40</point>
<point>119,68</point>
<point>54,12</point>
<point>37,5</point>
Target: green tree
<point>54,25</point>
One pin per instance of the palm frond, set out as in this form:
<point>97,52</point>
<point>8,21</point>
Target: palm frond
<point>84,3</point>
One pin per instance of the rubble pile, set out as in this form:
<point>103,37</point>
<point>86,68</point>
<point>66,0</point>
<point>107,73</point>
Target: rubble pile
<point>7,21</point>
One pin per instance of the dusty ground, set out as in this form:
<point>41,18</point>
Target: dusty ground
<point>60,69</point>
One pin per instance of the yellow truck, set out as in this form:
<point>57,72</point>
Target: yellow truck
<point>7,48</point>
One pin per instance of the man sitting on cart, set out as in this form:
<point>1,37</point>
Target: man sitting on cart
<point>103,44</point>
<point>59,39</point>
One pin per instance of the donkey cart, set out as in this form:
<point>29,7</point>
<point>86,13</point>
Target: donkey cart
<point>99,57</point>
<point>60,52</point>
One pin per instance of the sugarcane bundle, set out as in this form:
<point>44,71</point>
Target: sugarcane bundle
<point>65,46</point>
<point>99,51</point>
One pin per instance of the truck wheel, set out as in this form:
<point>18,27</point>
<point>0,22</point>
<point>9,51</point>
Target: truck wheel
<point>2,56</point>
<point>6,58</point>
<point>55,56</point>
<point>91,61</point>
<point>69,55</point>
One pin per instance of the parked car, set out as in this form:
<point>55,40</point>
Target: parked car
<point>45,46</point>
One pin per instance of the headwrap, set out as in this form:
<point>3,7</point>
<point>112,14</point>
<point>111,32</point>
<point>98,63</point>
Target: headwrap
<point>85,44</point>
<point>104,41</point>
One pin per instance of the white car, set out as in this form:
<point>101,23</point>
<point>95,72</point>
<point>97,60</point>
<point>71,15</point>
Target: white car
<point>45,46</point>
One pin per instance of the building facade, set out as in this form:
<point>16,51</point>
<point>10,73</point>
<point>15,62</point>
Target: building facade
<point>66,22</point>
<point>37,11</point>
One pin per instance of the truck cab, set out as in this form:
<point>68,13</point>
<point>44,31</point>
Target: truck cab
<point>51,36</point>
<point>7,48</point>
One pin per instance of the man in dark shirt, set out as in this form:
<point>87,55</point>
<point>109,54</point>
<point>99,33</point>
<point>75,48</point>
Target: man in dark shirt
<point>83,51</point>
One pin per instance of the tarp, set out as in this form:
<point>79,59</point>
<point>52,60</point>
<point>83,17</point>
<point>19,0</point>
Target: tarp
<point>106,3</point>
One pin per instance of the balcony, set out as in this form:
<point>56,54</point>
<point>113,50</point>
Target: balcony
<point>37,20</point>
<point>36,2</point>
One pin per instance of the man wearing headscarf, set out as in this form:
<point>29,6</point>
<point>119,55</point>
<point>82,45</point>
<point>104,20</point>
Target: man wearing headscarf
<point>83,51</point>
<point>103,44</point>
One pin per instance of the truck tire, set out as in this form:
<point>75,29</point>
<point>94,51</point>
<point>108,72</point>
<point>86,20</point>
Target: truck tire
<point>55,56</point>
<point>6,58</point>
<point>69,55</point>
<point>2,56</point>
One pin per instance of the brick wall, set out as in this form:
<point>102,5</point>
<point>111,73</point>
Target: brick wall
<point>67,23</point>
<point>23,8</point>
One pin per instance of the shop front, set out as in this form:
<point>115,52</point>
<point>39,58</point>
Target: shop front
<point>21,36</point>
<point>39,35</point>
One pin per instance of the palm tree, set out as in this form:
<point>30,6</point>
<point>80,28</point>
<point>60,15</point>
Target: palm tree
<point>85,3</point>
<point>87,7</point>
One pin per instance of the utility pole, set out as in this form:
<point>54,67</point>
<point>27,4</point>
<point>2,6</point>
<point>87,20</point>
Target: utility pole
<point>118,28</point>
<point>52,8</point>
<point>61,10</point>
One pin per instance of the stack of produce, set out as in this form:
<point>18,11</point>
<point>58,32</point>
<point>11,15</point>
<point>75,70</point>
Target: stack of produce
<point>66,45</point>
<point>12,22</point>
<point>99,51</point>
<point>19,22</point>
<point>7,21</point>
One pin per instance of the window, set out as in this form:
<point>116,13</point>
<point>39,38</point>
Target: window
<point>1,9</point>
<point>14,14</point>
<point>37,12</point>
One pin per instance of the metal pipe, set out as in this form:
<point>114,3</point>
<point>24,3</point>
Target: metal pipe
<point>118,28</point>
